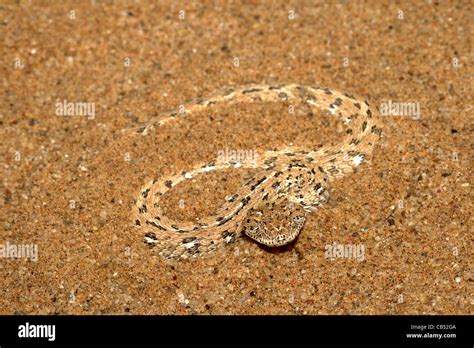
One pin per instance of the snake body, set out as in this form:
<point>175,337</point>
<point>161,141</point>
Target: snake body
<point>271,207</point>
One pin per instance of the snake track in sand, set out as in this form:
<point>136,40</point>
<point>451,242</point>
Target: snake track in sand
<point>271,207</point>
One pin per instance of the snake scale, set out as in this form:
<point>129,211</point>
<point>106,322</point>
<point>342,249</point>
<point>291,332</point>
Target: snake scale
<point>271,207</point>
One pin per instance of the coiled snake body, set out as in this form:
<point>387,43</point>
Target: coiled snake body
<point>271,207</point>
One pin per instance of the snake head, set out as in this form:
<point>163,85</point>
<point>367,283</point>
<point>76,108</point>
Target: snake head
<point>274,224</point>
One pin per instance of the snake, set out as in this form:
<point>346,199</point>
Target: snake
<point>290,182</point>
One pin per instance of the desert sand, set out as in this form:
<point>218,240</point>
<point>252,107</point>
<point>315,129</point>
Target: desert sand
<point>69,180</point>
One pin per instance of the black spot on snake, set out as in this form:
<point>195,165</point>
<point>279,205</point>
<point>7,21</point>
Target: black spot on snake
<point>226,234</point>
<point>251,90</point>
<point>245,200</point>
<point>364,126</point>
<point>188,240</point>
<point>154,224</point>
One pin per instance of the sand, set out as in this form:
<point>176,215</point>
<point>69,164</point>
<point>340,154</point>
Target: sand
<point>68,181</point>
